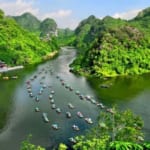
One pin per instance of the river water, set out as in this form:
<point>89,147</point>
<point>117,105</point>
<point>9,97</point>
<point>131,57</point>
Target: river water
<point>22,119</point>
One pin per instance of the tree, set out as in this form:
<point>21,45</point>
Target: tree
<point>27,145</point>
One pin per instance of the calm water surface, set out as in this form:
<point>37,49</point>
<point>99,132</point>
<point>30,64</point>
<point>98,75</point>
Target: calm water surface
<point>22,120</point>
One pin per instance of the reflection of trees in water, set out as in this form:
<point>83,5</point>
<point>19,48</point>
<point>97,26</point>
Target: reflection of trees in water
<point>7,89</point>
<point>120,88</point>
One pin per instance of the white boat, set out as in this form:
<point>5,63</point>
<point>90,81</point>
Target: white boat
<point>52,101</point>
<point>44,115</point>
<point>72,140</point>
<point>68,114</point>
<point>75,127</point>
<point>77,92</point>
<point>55,126</point>
<point>89,120</point>
<point>37,109</point>
<point>53,106</point>
<point>37,99</point>
<point>70,105</point>
<point>79,114</point>
<point>58,110</point>
<point>52,92</point>
<point>50,96</point>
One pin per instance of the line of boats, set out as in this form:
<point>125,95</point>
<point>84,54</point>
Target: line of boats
<point>68,114</point>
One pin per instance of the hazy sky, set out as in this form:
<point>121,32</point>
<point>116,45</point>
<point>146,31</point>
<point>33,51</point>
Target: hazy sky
<point>68,13</point>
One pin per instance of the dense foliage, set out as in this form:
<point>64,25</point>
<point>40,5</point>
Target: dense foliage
<point>66,37</point>
<point>45,29</point>
<point>48,27</point>
<point>111,47</point>
<point>20,47</point>
<point>116,130</point>
<point>28,21</point>
<point>27,145</point>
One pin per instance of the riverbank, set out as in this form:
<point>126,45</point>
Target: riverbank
<point>50,55</point>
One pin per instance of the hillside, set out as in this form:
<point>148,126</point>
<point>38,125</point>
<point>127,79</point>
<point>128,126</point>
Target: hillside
<point>28,21</point>
<point>20,47</point>
<point>45,29</point>
<point>111,47</point>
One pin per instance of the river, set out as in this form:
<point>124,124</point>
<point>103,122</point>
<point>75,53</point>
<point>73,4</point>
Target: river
<point>17,110</point>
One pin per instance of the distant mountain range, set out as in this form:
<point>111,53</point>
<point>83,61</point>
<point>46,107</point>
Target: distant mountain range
<point>45,28</point>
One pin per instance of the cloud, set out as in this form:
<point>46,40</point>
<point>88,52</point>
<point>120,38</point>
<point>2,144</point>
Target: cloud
<point>58,14</point>
<point>127,15</point>
<point>62,17</point>
<point>18,7</point>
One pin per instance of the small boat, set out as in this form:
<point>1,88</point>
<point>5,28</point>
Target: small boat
<point>81,97</point>
<point>101,105</point>
<point>68,114</point>
<point>70,105</point>
<point>75,127</point>
<point>58,110</point>
<point>50,96</point>
<point>72,140</point>
<point>37,99</point>
<point>52,101</point>
<point>89,120</point>
<point>53,106</point>
<point>79,114</point>
<point>44,86</point>
<point>67,86</point>
<point>37,109</point>
<point>55,126</point>
<point>88,97</point>
<point>110,110</point>
<point>52,92</point>
<point>93,101</point>
<point>40,92</point>
<point>70,88</point>
<point>44,115</point>
<point>29,90</point>
<point>77,92</point>
<point>31,95</point>
<point>63,83</point>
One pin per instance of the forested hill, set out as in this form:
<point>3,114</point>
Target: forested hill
<point>44,29</point>
<point>111,47</point>
<point>20,47</point>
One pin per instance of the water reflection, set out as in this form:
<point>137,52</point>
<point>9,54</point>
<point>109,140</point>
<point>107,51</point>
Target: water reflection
<point>23,119</point>
<point>130,92</point>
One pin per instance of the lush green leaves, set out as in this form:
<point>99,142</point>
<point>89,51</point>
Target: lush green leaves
<point>20,47</point>
<point>112,47</point>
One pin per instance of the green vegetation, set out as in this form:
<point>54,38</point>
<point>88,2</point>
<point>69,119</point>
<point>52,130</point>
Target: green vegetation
<point>28,22</point>
<point>112,47</point>
<point>20,47</point>
<point>116,130</point>
<point>46,29</point>
<point>26,145</point>
<point>66,37</point>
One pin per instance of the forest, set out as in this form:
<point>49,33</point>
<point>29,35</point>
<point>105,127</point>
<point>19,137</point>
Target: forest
<point>111,47</point>
<point>18,46</point>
